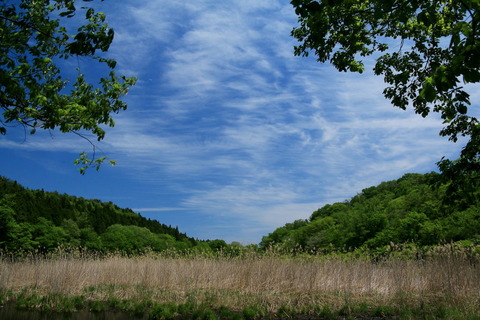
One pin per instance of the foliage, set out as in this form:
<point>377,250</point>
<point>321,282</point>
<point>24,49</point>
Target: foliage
<point>425,50</point>
<point>37,89</point>
<point>408,210</point>
<point>39,220</point>
<point>217,244</point>
<point>8,224</point>
<point>134,239</point>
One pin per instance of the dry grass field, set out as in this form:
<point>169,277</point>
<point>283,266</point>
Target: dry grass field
<point>268,281</point>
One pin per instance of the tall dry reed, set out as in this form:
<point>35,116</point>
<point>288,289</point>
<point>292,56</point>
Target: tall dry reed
<point>267,280</point>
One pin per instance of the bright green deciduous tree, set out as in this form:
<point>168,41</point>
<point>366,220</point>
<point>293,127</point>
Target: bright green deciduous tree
<point>134,239</point>
<point>435,53</point>
<point>7,222</point>
<point>35,90</point>
<point>89,239</point>
<point>48,236</point>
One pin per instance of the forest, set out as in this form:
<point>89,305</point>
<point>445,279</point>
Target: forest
<point>413,210</point>
<point>416,209</point>
<point>43,221</point>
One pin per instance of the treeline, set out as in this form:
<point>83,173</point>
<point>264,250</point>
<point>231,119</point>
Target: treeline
<point>414,209</point>
<point>43,221</point>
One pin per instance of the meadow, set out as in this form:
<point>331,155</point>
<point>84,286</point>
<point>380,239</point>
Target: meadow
<point>442,284</point>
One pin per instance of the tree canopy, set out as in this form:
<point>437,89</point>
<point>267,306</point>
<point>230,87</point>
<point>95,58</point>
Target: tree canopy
<point>427,52</point>
<point>38,90</point>
<point>40,220</point>
<point>406,210</point>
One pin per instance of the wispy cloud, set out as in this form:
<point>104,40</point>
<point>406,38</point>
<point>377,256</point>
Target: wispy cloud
<point>263,135</point>
<point>165,209</point>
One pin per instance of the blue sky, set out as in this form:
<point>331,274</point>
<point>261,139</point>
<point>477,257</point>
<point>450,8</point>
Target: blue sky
<point>228,135</point>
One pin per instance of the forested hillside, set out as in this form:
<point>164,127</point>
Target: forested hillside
<point>39,220</point>
<point>411,209</point>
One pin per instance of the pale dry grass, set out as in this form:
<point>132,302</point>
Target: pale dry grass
<point>269,281</point>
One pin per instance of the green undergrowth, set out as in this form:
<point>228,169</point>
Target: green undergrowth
<point>154,310</point>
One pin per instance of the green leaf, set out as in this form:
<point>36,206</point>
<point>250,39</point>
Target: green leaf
<point>471,76</point>
<point>68,14</point>
<point>462,109</point>
<point>428,91</point>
